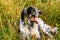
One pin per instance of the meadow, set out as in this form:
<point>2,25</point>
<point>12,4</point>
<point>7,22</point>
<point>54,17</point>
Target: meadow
<point>10,11</point>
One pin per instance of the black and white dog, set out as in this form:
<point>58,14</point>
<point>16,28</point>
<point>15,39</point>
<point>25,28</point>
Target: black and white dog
<point>28,27</point>
<point>29,22</point>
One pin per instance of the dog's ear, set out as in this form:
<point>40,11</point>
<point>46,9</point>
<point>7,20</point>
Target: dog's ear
<point>29,10</point>
<point>40,12</point>
<point>23,14</point>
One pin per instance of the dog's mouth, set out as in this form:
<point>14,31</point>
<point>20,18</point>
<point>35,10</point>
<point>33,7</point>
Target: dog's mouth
<point>33,19</point>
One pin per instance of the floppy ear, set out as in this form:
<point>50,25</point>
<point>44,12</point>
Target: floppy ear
<point>29,9</point>
<point>23,14</point>
<point>40,12</point>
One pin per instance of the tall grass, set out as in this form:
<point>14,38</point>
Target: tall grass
<point>10,13</point>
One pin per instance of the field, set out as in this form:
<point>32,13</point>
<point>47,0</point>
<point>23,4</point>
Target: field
<point>10,11</point>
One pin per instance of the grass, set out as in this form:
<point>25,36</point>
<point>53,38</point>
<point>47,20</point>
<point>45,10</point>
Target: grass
<point>10,13</point>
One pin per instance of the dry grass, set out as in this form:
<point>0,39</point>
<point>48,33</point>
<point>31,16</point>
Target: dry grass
<point>10,13</point>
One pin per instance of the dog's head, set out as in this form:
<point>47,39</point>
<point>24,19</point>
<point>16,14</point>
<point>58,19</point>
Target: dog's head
<point>30,12</point>
<point>33,12</point>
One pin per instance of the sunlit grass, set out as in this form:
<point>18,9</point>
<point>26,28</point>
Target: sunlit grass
<point>10,13</point>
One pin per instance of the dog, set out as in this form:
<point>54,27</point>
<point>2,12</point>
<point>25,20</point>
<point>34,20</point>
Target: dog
<point>45,28</point>
<point>27,14</point>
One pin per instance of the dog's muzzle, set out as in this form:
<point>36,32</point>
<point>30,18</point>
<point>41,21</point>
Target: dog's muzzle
<point>33,19</point>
